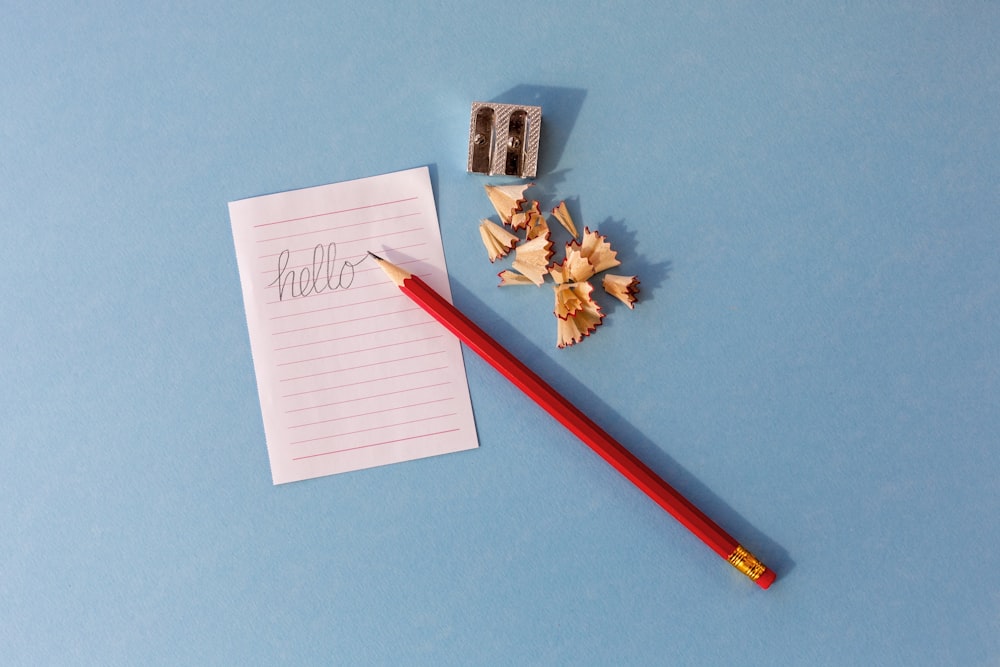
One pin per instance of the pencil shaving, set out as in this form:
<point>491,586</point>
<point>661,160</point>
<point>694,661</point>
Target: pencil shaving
<point>531,259</point>
<point>537,226</point>
<point>574,268</point>
<point>577,313</point>
<point>498,241</point>
<point>526,216</point>
<point>508,277</point>
<point>561,214</point>
<point>507,199</point>
<point>568,299</point>
<point>596,248</point>
<point>623,288</point>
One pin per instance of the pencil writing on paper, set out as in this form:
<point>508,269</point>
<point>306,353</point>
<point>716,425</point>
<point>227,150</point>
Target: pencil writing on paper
<point>316,277</point>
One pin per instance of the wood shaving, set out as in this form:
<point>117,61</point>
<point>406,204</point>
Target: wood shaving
<point>574,268</point>
<point>561,214</point>
<point>596,248</point>
<point>526,217</point>
<point>508,277</point>
<point>531,259</point>
<point>568,299</point>
<point>537,226</point>
<point>577,313</point>
<point>623,288</point>
<point>507,199</point>
<point>498,241</point>
<point>582,314</point>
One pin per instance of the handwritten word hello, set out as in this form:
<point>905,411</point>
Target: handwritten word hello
<point>321,275</point>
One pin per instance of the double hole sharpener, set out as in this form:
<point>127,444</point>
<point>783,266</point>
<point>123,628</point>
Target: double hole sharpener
<point>503,139</point>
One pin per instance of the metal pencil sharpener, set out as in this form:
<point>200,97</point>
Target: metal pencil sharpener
<point>503,139</point>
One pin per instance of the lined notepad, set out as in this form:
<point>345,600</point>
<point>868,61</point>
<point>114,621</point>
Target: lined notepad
<point>350,373</point>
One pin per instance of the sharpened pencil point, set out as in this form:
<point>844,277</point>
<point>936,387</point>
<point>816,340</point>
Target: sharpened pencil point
<point>397,274</point>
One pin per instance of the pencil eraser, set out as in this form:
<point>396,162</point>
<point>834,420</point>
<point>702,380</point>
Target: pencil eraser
<point>766,578</point>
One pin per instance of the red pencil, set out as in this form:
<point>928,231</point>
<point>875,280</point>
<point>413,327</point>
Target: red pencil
<point>578,423</point>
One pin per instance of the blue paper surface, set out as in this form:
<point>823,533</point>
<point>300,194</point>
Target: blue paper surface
<point>809,197</point>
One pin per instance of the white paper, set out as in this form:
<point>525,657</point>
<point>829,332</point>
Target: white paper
<point>351,373</point>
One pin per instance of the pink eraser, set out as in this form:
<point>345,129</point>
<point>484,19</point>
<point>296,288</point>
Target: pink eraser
<point>766,578</point>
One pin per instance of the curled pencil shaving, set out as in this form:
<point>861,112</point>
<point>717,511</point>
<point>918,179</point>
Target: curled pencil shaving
<point>524,217</point>
<point>570,298</point>
<point>574,267</point>
<point>507,199</point>
<point>561,214</point>
<point>596,248</point>
<point>576,312</point>
<point>531,259</point>
<point>508,277</point>
<point>498,241</point>
<point>623,288</point>
<point>537,226</point>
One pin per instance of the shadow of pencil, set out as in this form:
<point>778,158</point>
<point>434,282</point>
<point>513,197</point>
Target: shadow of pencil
<point>651,453</point>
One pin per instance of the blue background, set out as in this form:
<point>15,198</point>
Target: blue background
<point>809,197</point>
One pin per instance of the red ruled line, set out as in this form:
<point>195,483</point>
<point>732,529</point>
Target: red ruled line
<point>356,319</point>
<point>365,398</point>
<point>325,213</point>
<point>330,229</point>
<point>326,293</point>
<point>373,428</point>
<point>354,368</point>
<point>375,444</point>
<point>366,349</point>
<point>354,384</point>
<point>343,305</point>
<point>355,335</point>
<point>373,412</point>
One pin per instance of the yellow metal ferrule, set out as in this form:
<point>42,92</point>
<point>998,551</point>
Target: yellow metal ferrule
<point>746,562</point>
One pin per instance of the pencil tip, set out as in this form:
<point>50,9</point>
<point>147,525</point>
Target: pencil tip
<point>397,274</point>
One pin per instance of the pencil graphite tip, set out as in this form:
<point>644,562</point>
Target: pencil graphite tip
<point>397,274</point>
